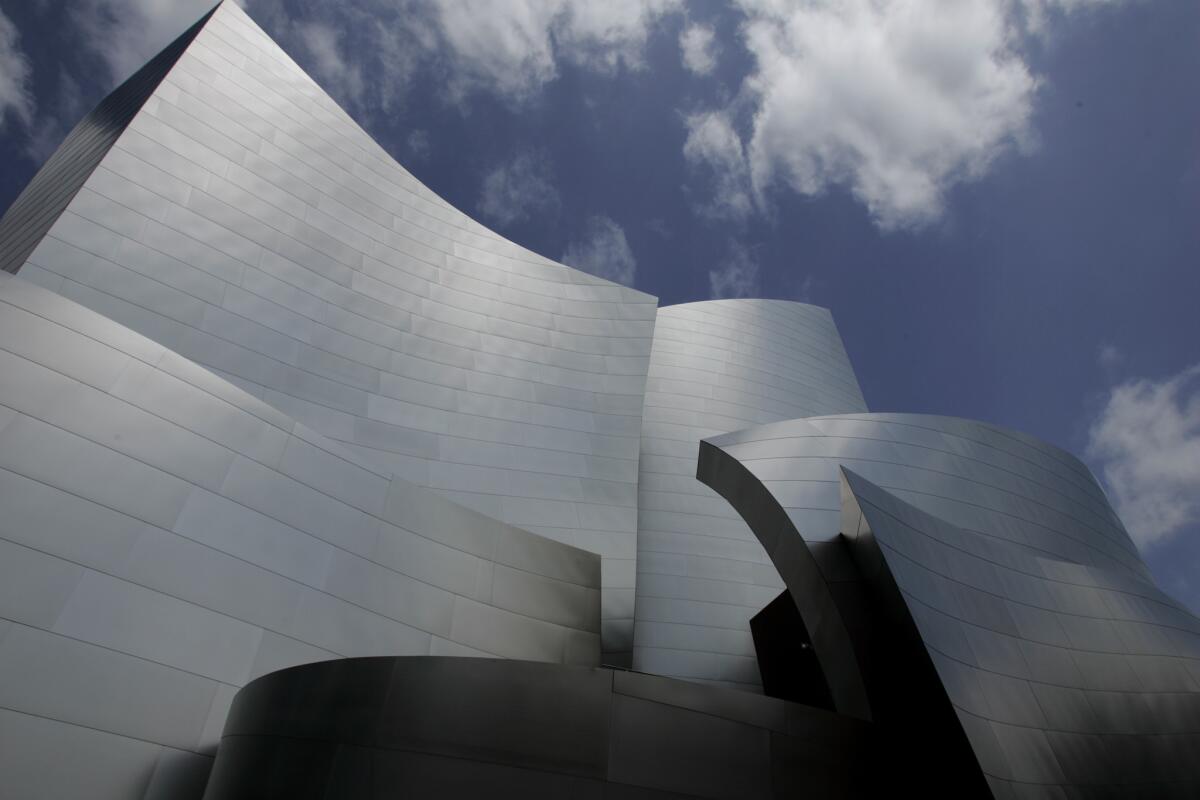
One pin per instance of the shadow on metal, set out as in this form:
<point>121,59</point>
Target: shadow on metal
<point>863,639</point>
<point>468,727</point>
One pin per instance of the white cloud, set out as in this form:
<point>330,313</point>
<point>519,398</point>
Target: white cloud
<point>603,251</point>
<point>366,52</point>
<point>1037,14</point>
<point>894,101</point>
<point>16,99</point>
<point>52,125</point>
<point>737,276</point>
<point>339,76</point>
<point>714,147</point>
<point>699,48</point>
<point>363,52</point>
<point>514,47</point>
<point>126,34</point>
<point>1146,440</point>
<point>518,189</point>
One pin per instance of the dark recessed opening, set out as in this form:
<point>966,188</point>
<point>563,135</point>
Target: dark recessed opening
<point>787,661</point>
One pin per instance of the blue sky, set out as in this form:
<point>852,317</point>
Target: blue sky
<point>998,199</point>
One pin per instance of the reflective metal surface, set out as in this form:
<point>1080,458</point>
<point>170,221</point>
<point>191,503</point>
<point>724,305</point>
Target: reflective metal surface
<point>266,400</point>
<point>245,222</point>
<point>1069,672</point>
<point>55,184</point>
<point>719,366</point>
<point>166,537</point>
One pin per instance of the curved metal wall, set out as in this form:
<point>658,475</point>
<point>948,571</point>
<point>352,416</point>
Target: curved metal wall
<point>718,366</point>
<point>1067,668</point>
<point>977,476</point>
<point>245,222</point>
<point>1068,680</point>
<point>376,728</point>
<point>166,537</point>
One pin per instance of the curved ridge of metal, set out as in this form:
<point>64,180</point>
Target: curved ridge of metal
<point>469,728</point>
<point>719,366</point>
<point>1049,699</point>
<point>990,594</point>
<point>828,631</point>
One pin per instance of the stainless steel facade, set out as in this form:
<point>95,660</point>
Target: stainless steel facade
<point>267,400</point>
<point>977,476</point>
<point>245,222</point>
<point>715,367</point>
<point>1069,672</point>
<point>167,537</point>
<point>466,728</point>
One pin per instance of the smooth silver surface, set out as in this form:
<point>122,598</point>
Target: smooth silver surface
<point>272,401</point>
<point>167,537</point>
<point>980,477</point>
<point>246,223</point>
<point>715,367</point>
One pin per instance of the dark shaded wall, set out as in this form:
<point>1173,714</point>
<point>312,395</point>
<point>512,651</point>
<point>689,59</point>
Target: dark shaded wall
<point>455,727</point>
<point>1002,624</point>
<point>786,659</point>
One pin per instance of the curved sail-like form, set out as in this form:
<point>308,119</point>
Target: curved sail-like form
<point>715,367</point>
<point>991,596</point>
<point>981,477</point>
<point>245,222</point>
<point>267,400</point>
<point>166,537</point>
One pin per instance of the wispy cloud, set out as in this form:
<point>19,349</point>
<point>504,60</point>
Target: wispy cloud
<point>366,53</point>
<point>515,47</point>
<point>603,251</point>
<point>659,226</point>
<point>125,34</point>
<point>1109,357</point>
<point>518,189</point>
<point>418,144</point>
<point>16,98</point>
<point>714,150</point>
<point>54,121</point>
<point>737,276</point>
<point>511,49</point>
<point>698,46</point>
<point>1146,441</point>
<point>337,74</point>
<point>896,102</point>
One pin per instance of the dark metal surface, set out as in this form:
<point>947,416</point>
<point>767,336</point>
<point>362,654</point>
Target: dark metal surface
<point>1103,707</point>
<point>863,643</point>
<point>789,667</point>
<point>458,727</point>
<point>1022,640</point>
<point>818,608</point>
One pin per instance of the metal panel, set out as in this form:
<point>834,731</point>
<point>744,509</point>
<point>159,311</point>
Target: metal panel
<point>715,367</point>
<point>1068,675</point>
<point>167,537</point>
<point>244,221</point>
<point>74,162</point>
<point>447,727</point>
